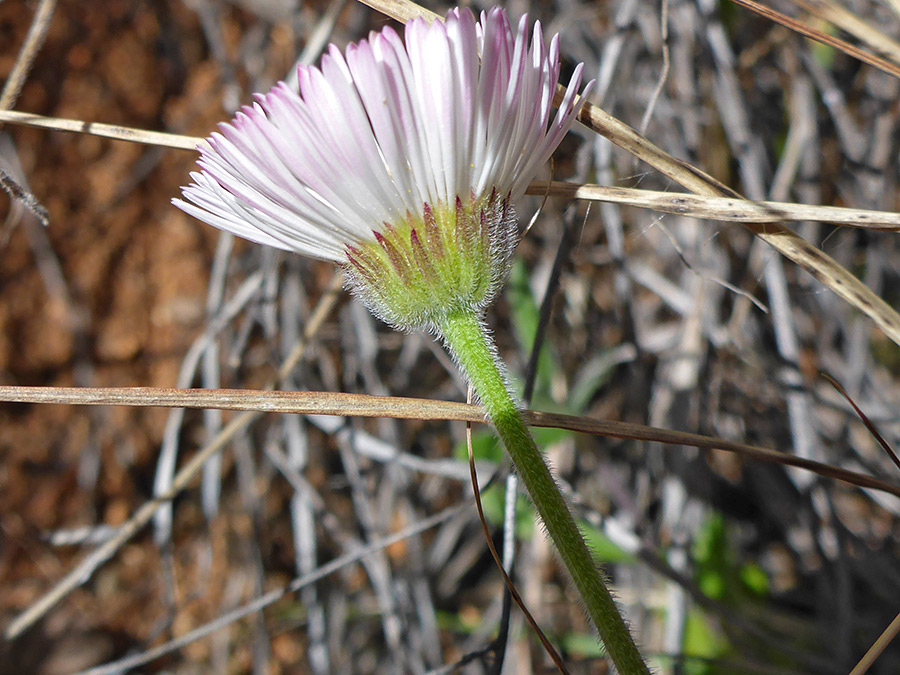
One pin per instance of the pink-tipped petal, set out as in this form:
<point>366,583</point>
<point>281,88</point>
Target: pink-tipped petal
<point>462,109</point>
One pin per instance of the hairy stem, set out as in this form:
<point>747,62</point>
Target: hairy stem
<point>466,338</point>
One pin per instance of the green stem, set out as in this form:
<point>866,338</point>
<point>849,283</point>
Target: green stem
<point>465,336</point>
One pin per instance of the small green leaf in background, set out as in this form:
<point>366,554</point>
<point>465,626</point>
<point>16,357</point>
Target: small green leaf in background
<point>701,639</point>
<point>755,579</point>
<point>485,448</point>
<point>824,54</point>
<point>718,573</point>
<point>464,623</point>
<point>603,547</point>
<point>710,552</point>
<point>525,317</point>
<point>582,646</point>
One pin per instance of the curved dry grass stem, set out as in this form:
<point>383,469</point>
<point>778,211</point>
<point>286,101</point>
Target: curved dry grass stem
<point>363,405</point>
<point>873,430</point>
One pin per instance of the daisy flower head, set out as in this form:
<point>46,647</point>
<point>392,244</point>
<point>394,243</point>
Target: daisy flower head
<point>399,160</point>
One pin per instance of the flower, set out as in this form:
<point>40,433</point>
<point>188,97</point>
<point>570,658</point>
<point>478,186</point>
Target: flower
<point>399,162</point>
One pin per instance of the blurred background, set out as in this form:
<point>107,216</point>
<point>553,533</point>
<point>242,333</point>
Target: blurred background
<point>723,564</point>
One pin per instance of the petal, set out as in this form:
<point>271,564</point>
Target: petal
<point>378,131</point>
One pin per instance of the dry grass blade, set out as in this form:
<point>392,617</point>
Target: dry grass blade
<point>880,645</point>
<point>120,133</point>
<point>26,198</point>
<point>819,36</point>
<point>33,41</point>
<point>401,10</point>
<point>719,208</point>
<point>852,24</point>
<point>303,402</point>
<point>362,405</point>
<point>864,419</point>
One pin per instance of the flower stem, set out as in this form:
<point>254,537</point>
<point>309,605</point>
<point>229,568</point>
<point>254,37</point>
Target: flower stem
<point>466,338</point>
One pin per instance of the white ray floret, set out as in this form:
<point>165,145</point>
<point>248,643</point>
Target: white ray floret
<point>462,109</point>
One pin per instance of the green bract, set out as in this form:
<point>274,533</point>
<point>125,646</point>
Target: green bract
<point>451,259</point>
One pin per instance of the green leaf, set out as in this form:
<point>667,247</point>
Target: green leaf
<point>583,646</point>
<point>603,548</point>
<point>755,579</point>
<point>718,574</point>
<point>701,639</point>
<point>525,318</point>
<point>485,448</point>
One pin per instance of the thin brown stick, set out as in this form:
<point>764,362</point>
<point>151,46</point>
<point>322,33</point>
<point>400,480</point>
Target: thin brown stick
<point>289,402</point>
<point>819,36</point>
<point>876,434</point>
<point>361,405</point>
<point>30,48</point>
<point>877,648</point>
<point>846,20</point>
<point>625,430</point>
